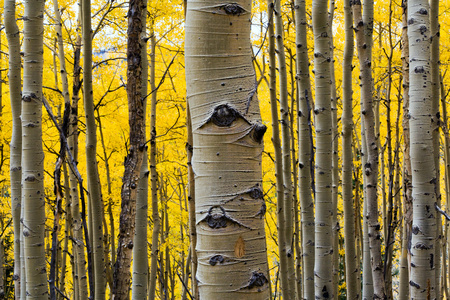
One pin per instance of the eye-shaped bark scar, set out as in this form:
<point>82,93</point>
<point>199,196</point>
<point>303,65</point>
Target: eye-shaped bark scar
<point>232,8</point>
<point>217,218</point>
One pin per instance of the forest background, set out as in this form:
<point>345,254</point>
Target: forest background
<point>165,40</point>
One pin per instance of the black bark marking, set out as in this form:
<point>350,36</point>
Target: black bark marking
<point>224,115</point>
<point>216,217</point>
<point>258,132</point>
<point>412,283</point>
<point>431,261</point>
<point>423,11</point>
<point>262,211</point>
<point>422,246</point>
<point>415,229</point>
<point>256,192</point>
<point>325,293</point>
<point>258,279</point>
<point>419,69</point>
<point>233,9</point>
<point>216,259</point>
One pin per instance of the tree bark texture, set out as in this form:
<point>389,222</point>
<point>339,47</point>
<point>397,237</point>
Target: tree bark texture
<point>352,268</point>
<point>364,29</point>
<point>323,269</point>
<point>14,78</point>
<point>305,150</point>
<point>95,197</point>
<point>422,281</point>
<point>227,148</point>
<point>33,194</point>
<point>140,249</point>
<point>133,161</point>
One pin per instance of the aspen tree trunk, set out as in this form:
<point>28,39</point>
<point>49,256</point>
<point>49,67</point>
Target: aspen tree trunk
<point>281,223</point>
<point>140,252</point>
<point>422,281</point>
<point>334,155</point>
<point>14,76</point>
<point>133,161</point>
<point>77,223</point>
<point>368,289</point>
<point>67,233</point>
<point>364,29</point>
<point>95,196</point>
<point>191,201</point>
<point>323,170</point>
<point>153,173</point>
<point>32,153</point>
<point>352,268</point>
<point>305,151</point>
<point>407,188</point>
<point>227,134</point>
<point>435,88</point>
<point>289,288</point>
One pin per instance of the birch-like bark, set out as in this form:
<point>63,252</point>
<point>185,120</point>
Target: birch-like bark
<point>352,268</point>
<point>323,169</point>
<point>422,281</point>
<point>140,251</point>
<point>133,161</point>
<point>227,133</point>
<point>334,154</point>
<point>364,29</point>
<point>33,194</point>
<point>435,88</point>
<point>305,151</point>
<point>289,288</point>
<point>14,79</point>
<point>281,223</point>
<point>95,197</point>
<point>153,173</point>
<point>407,187</point>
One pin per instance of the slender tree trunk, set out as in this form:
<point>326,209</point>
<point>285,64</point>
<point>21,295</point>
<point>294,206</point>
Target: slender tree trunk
<point>227,133</point>
<point>281,223</point>
<point>288,287</point>
<point>32,153</point>
<point>352,268</point>
<point>153,173</point>
<point>422,281</point>
<point>334,155</point>
<point>435,88</point>
<point>407,187</point>
<point>67,233</point>
<point>191,201</point>
<point>140,252</point>
<point>324,141</point>
<point>305,150</point>
<point>364,29</point>
<point>95,196</point>
<point>133,161</point>
<point>14,76</point>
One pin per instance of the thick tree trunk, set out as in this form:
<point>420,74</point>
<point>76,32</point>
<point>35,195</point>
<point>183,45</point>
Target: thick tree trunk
<point>324,141</point>
<point>227,134</point>
<point>133,161</point>
<point>305,150</point>
<point>33,194</point>
<point>14,76</point>
<point>352,268</point>
<point>422,281</point>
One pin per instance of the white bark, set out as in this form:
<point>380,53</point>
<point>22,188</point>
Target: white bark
<point>422,280</point>
<point>227,132</point>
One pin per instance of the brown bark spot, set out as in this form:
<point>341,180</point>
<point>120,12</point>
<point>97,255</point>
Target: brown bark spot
<point>239,247</point>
